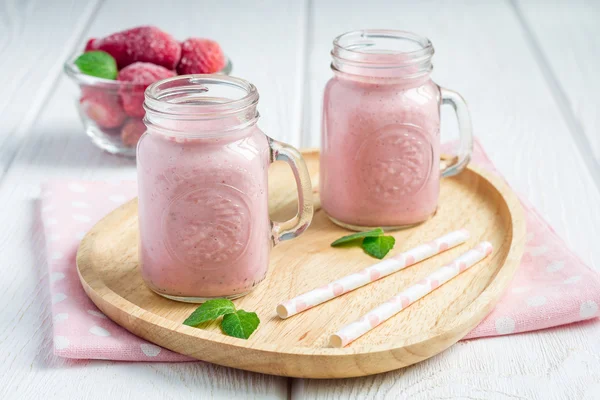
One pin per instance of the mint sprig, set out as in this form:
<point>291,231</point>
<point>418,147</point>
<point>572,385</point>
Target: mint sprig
<point>210,311</point>
<point>97,63</point>
<point>379,246</point>
<point>374,242</point>
<point>240,324</point>
<point>237,323</point>
<point>358,235</point>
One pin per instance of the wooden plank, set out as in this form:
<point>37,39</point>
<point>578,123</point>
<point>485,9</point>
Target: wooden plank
<point>567,35</point>
<point>35,39</point>
<point>56,147</point>
<point>481,52</point>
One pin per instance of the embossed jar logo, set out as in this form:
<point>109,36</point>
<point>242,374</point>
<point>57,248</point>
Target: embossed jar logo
<point>208,226</point>
<point>396,161</point>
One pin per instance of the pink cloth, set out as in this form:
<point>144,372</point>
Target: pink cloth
<point>69,210</point>
<point>551,287</point>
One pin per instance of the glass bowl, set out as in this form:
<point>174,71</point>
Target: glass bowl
<point>112,127</point>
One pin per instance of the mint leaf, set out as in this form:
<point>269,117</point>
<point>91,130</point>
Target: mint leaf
<point>97,63</point>
<point>240,324</point>
<point>358,235</point>
<point>210,310</point>
<point>379,246</point>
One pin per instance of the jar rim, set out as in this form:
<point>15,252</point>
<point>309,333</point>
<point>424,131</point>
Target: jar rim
<point>177,97</point>
<point>382,53</point>
<point>358,40</point>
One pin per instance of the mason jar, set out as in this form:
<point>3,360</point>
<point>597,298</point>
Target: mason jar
<point>380,156</point>
<point>202,170</point>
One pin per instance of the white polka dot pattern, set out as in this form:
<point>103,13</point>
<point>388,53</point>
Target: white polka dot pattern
<point>588,309</point>
<point>505,325</point>
<point>81,218</point>
<point>47,208</point>
<point>572,280</point>
<point>60,317</point>
<point>56,276</point>
<point>555,266</point>
<point>99,331</point>
<point>96,314</point>
<point>538,251</point>
<point>58,297</point>
<point>61,342</point>
<point>150,350</point>
<point>536,301</point>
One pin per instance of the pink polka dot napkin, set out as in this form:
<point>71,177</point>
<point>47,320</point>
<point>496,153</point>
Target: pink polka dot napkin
<point>68,211</point>
<point>552,286</point>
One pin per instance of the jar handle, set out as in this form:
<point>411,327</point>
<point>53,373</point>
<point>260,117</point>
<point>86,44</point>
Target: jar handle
<point>465,148</point>
<point>295,226</point>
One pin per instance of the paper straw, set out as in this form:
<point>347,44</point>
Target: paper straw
<point>378,315</point>
<point>370,274</point>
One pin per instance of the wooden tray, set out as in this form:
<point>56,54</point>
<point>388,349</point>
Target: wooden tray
<point>297,347</point>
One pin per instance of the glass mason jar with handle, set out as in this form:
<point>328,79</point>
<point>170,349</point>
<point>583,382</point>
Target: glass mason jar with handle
<point>380,157</point>
<point>202,169</point>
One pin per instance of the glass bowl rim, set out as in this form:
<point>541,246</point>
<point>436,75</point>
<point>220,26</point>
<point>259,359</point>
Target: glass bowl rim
<point>79,77</point>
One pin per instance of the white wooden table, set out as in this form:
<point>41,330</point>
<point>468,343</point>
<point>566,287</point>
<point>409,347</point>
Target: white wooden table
<point>529,70</point>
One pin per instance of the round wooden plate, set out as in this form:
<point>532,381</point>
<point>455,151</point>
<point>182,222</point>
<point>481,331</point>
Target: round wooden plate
<point>297,347</point>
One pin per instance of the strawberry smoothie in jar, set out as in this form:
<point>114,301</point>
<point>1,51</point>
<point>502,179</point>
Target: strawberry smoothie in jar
<point>380,157</point>
<point>202,167</point>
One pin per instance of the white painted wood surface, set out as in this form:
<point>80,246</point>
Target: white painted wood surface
<point>568,35</point>
<point>493,53</point>
<point>35,38</point>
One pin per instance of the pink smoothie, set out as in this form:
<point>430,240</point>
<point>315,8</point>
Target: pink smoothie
<point>380,150</point>
<point>203,208</point>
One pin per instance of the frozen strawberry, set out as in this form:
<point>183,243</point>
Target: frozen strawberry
<point>200,56</point>
<point>140,75</point>
<point>144,43</point>
<point>89,46</point>
<point>102,106</point>
<point>132,131</point>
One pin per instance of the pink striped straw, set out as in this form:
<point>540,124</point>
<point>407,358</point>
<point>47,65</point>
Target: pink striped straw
<point>370,274</point>
<point>378,315</point>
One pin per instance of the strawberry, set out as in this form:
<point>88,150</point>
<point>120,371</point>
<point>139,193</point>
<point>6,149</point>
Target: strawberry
<point>102,106</point>
<point>144,43</point>
<point>89,46</point>
<point>132,131</point>
<point>140,75</point>
<point>200,56</point>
